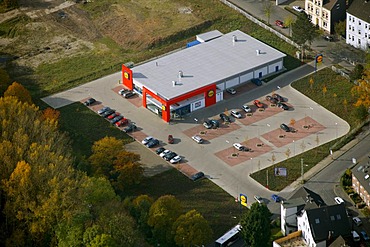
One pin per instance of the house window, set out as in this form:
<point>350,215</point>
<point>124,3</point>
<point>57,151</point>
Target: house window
<point>353,38</point>
<point>325,24</point>
<point>338,217</point>
<point>317,11</point>
<point>359,42</point>
<point>349,17</point>
<point>317,221</point>
<point>349,27</point>
<point>359,23</point>
<point>332,217</point>
<point>349,36</point>
<point>353,29</point>
<point>366,37</point>
<point>359,31</point>
<point>365,26</point>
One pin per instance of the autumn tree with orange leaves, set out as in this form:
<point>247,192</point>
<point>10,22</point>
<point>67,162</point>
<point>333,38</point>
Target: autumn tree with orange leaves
<point>18,91</point>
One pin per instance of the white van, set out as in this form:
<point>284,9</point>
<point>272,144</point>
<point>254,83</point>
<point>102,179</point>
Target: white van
<point>197,139</point>
<point>355,236</point>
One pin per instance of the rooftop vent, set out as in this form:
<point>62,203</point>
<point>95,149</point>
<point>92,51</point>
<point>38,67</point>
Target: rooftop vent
<point>359,168</point>
<point>367,176</point>
<point>234,39</point>
<point>181,74</point>
<point>258,52</point>
<point>173,83</point>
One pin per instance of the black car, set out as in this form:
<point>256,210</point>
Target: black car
<point>129,94</point>
<point>271,99</point>
<point>224,117</point>
<point>159,150</point>
<point>108,113</point>
<point>197,176</point>
<point>130,128</point>
<point>208,124</point>
<point>152,143</point>
<point>257,81</point>
<point>285,127</point>
<point>116,119</point>
<point>278,97</point>
<point>169,156</point>
<point>104,109</point>
<point>215,123</point>
<point>283,106</point>
<point>90,101</point>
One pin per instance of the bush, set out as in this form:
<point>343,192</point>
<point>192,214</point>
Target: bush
<point>356,72</point>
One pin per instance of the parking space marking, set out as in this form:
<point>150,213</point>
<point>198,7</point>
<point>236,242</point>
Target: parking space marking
<point>134,100</point>
<point>209,134</point>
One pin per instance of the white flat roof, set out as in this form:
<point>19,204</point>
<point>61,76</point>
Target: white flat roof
<point>204,64</point>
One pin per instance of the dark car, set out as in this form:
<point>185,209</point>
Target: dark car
<point>129,94</point>
<point>257,81</point>
<point>364,236</point>
<point>275,198</point>
<point>89,101</point>
<point>130,128</point>
<point>116,119</point>
<point>169,156</point>
<point>278,97</point>
<point>104,109</point>
<point>208,124</point>
<point>170,139</point>
<point>108,113</point>
<point>197,176</point>
<point>215,123</point>
<point>285,127</point>
<point>225,117</point>
<point>271,99</point>
<point>159,150</point>
<point>152,143</point>
<point>283,106</point>
<point>329,38</point>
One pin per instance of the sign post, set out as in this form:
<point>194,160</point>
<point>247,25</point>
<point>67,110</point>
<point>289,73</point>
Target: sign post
<point>318,60</point>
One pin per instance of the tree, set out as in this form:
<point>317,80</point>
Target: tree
<point>50,114</point>
<point>311,81</point>
<point>304,32</point>
<point>104,152</point>
<point>357,72</point>
<point>191,229</point>
<point>11,3</point>
<point>255,223</point>
<point>288,23</point>
<point>324,90</point>
<point>18,91</point>
<point>162,215</point>
<point>340,28</point>
<point>362,90</point>
<point>267,8</point>
<point>140,212</point>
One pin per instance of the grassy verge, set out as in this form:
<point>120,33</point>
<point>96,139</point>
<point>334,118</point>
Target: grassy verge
<point>338,99</point>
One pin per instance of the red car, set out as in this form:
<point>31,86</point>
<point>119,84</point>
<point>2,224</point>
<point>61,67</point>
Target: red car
<point>122,122</point>
<point>113,115</point>
<point>279,23</point>
<point>258,103</point>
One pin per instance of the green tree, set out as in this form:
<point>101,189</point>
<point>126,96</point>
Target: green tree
<point>255,223</point>
<point>162,215</point>
<point>18,91</point>
<point>104,152</point>
<point>140,211</point>
<point>10,3</point>
<point>191,229</point>
<point>267,8</point>
<point>357,72</point>
<point>340,28</point>
<point>288,21</point>
<point>304,32</point>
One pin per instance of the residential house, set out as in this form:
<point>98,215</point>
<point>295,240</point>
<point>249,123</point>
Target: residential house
<point>361,181</point>
<point>358,24</point>
<point>325,13</point>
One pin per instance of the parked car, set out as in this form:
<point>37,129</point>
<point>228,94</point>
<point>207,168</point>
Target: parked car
<point>257,81</point>
<point>159,150</point>
<point>152,143</point>
<point>231,91</point>
<point>275,198</point>
<point>208,124</point>
<point>338,200</point>
<point>129,94</point>
<point>104,109</point>
<point>170,139</point>
<point>170,156</point>
<point>355,236</point>
<point>164,153</point>
<point>298,8</point>
<point>258,104</point>
<point>279,23</point>
<point>89,101</point>
<point>197,176</point>
<point>278,97</point>
<point>113,115</point>
<point>197,139</point>
<point>107,113</point>
<point>258,199</point>
<point>235,114</point>
<point>328,38</point>
<point>357,221</point>
<point>122,91</point>
<point>122,122</point>
<point>285,127</point>
<point>116,119</point>
<point>271,99</point>
<point>225,117</point>
<point>364,236</point>
<point>283,106</point>
<point>146,140</point>
<point>240,147</point>
<point>246,108</point>
<point>215,123</point>
<point>175,159</point>
<point>130,128</point>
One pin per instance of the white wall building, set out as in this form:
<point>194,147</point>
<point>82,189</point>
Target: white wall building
<point>358,24</point>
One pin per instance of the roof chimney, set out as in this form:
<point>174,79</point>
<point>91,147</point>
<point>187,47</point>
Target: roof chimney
<point>258,52</point>
<point>181,74</point>
<point>173,83</point>
<point>234,39</point>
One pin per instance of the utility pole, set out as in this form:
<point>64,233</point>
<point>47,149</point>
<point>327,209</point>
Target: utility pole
<point>302,173</point>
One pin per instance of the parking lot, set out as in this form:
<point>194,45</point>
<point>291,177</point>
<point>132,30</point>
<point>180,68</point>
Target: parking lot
<point>217,157</point>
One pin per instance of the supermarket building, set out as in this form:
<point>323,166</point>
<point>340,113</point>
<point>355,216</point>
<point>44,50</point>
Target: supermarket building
<point>197,76</point>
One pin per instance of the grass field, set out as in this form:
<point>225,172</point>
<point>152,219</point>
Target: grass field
<point>338,91</point>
